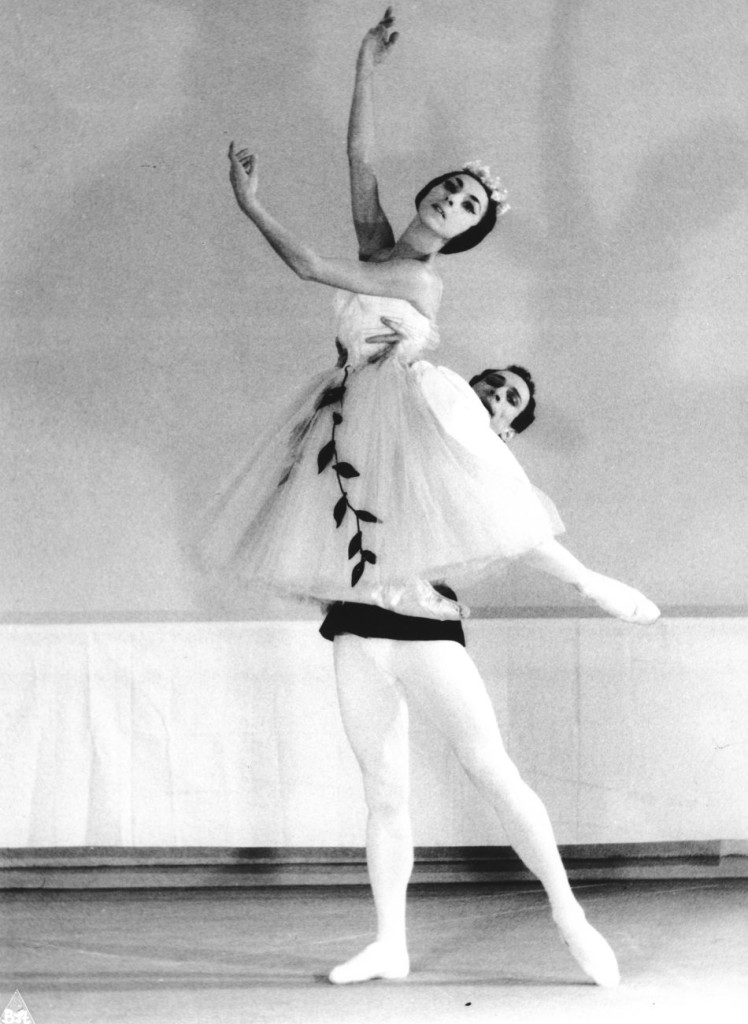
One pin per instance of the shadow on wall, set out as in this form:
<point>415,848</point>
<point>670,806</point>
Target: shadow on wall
<point>88,510</point>
<point>607,290</point>
<point>605,298</point>
<point>127,360</point>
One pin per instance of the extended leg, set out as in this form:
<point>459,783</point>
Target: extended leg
<point>375,718</point>
<point>443,679</point>
<point>615,598</point>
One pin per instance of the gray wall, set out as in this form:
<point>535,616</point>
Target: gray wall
<point>147,331</point>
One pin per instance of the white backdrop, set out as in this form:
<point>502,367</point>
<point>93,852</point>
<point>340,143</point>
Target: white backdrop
<point>228,734</point>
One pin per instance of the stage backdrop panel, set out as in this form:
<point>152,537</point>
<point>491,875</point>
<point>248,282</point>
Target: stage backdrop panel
<point>228,734</point>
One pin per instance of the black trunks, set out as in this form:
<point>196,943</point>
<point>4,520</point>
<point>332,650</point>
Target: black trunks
<point>370,620</point>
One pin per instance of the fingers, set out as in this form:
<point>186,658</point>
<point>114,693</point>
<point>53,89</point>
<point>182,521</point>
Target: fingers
<point>393,338</point>
<point>242,156</point>
<point>383,27</point>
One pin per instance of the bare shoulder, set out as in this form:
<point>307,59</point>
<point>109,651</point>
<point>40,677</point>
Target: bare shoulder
<point>381,274</point>
<point>421,282</point>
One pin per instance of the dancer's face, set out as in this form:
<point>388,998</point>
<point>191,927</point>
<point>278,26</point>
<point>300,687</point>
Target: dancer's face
<point>453,206</point>
<point>504,395</point>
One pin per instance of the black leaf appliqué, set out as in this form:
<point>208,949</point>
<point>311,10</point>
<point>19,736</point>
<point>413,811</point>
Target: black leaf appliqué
<point>328,456</point>
<point>342,353</point>
<point>366,517</point>
<point>330,396</point>
<point>341,507</point>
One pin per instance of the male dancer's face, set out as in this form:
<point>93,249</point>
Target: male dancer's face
<point>504,396</point>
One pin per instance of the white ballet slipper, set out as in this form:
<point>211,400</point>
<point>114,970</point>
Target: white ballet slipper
<point>376,961</point>
<point>589,949</point>
<point>419,598</point>
<point>619,599</point>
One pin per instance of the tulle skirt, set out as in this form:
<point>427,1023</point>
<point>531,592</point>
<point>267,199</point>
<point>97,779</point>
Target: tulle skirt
<point>374,476</point>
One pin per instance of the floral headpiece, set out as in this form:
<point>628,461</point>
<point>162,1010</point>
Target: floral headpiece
<point>492,185</point>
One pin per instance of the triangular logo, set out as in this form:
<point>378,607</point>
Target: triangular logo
<point>16,1012</point>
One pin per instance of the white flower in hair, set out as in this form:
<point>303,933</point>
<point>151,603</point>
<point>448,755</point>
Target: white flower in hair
<point>492,185</point>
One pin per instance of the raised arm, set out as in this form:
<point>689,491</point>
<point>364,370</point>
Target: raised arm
<point>400,279</point>
<point>373,230</point>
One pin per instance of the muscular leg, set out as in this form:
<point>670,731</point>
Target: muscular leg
<point>442,678</point>
<point>375,718</point>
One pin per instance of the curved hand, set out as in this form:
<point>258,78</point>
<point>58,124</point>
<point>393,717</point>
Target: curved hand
<point>395,335</point>
<point>377,42</point>
<point>243,175</point>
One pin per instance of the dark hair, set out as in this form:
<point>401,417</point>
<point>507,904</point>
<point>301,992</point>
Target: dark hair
<point>523,420</point>
<point>470,238</point>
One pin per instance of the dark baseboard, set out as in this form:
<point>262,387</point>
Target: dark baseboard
<point>113,867</point>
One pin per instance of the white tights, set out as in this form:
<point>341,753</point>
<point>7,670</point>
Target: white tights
<point>376,679</point>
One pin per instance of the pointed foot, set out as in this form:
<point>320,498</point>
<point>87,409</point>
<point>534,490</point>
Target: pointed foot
<point>620,600</point>
<point>590,950</point>
<point>376,961</point>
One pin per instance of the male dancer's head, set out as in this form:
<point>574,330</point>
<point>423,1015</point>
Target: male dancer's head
<point>508,396</point>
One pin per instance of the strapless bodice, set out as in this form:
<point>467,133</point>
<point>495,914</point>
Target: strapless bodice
<point>358,317</point>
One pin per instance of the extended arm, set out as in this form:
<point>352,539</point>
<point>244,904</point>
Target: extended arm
<point>373,230</point>
<point>401,279</point>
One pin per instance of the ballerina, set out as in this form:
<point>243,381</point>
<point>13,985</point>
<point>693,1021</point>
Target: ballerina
<point>360,493</point>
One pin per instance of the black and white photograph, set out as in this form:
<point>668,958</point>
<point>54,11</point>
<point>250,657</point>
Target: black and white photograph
<point>374,512</point>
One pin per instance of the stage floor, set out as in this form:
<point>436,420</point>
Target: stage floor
<point>478,954</point>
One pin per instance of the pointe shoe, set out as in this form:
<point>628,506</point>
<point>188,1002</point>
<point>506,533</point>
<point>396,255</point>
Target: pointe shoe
<point>620,600</point>
<point>419,598</point>
<point>590,950</point>
<point>376,961</point>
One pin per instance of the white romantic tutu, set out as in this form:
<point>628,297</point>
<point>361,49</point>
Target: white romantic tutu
<point>384,470</point>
